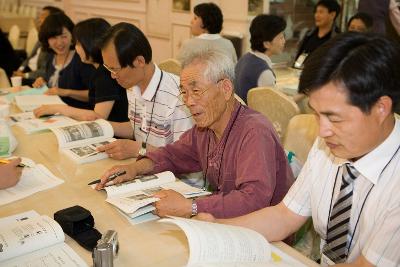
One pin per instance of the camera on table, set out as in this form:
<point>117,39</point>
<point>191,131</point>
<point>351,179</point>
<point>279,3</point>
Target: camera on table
<point>106,250</point>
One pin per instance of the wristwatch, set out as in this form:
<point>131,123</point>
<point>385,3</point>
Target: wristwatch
<point>194,208</point>
<point>143,150</point>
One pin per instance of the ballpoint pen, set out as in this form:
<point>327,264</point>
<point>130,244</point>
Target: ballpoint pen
<point>6,161</point>
<point>110,178</point>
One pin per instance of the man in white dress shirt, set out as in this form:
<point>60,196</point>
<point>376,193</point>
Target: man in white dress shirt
<point>353,86</point>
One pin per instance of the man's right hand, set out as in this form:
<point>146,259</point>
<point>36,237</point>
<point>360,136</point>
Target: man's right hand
<point>130,174</point>
<point>121,149</point>
<point>10,173</point>
<point>39,82</point>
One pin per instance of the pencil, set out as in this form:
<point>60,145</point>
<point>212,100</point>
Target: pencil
<point>6,161</point>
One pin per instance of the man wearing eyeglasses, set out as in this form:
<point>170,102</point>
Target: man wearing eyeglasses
<point>235,147</point>
<point>157,115</point>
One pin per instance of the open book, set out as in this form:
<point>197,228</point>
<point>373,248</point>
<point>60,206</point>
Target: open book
<point>30,124</point>
<point>135,197</point>
<point>80,140</point>
<point>28,239</point>
<point>30,102</point>
<point>213,244</point>
<point>34,178</point>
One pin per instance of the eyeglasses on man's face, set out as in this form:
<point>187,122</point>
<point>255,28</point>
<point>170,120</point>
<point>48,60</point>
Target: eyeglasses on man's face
<point>113,71</point>
<point>197,90</point>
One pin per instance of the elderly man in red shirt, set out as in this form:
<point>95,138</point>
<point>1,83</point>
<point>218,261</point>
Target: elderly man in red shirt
<point>234,146</point>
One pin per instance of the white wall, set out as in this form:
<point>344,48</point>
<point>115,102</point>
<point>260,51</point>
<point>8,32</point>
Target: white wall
<point>165,28</point>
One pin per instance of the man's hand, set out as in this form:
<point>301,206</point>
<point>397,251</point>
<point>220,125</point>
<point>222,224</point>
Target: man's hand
<point>207,217</point>
<point>18,73</point>
<point>121,149</point>
<point>57,91</point>
<point>172,203</point>
<point>130,174</point>
<point>10,173</point>
<point>39,82</point>
<point>48,110</point>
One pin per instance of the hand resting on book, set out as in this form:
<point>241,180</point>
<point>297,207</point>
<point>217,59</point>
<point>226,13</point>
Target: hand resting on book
<point>172,203</point>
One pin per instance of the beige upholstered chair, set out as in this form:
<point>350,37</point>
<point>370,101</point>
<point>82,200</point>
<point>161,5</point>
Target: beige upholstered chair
<point>31,40</point>
<point>13,36</point>
<point>4,82</point>
<point>300,135</point>
<point>276,106</point>
<point>171,65</point>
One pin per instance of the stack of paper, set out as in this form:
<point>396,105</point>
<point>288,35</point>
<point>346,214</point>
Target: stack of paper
<point>31,102</point>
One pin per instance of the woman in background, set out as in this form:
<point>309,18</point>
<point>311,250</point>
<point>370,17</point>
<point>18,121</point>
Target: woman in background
<point>206,26</point>
<point>66,75</point>
<point>105,94</point>
<point>360,22</point>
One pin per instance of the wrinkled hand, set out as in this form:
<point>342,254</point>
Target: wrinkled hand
<point>129,175</point>
<point>39,82</point>
<point>121,149</point>
<point>47,110</point>
<point>57,91</point>
<point>172,203</point>
<point>10,173</point>
<point>207,217</point>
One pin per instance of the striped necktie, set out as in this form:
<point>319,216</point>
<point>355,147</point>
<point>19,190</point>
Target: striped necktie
<point>339,235</point>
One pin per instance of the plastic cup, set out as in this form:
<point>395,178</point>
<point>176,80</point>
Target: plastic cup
<point>16,81</point>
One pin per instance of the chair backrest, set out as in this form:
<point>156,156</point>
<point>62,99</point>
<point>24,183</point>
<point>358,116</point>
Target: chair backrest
<point>171,65</point>
<point>300,135</point>
<point>13,36</point>
<point>4,82</point>
<point>276,106</point>
<point>31,40</point>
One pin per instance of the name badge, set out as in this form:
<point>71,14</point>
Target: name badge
<point>300,61</point>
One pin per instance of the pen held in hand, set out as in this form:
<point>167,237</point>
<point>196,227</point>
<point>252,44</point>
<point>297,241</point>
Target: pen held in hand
<point>6,161</point>
<point>110,178</point>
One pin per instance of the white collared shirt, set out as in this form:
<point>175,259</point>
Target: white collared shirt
<point>377,234</point>
<point>209,36</point>
<point>159,117</point>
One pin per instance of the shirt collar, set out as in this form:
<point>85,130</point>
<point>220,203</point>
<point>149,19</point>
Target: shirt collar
<point>151,88</point>
<point>209,36</point>
<point>372,164</point>
<point>262,56</point>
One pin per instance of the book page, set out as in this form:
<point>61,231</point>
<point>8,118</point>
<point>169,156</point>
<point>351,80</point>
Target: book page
<point>33,179</point>
<point>87,152</point>
<point>31,102</point>
<point>140,183</point>
<point>218,243</point>
<point>45,123</point>
<point>58,255</point>
<point>18,217</point>
<point>23,116</point>
<point>83,133</point>
<point>29,235</point>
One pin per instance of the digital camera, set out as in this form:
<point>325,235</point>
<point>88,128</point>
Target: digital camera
<point>106,250</point>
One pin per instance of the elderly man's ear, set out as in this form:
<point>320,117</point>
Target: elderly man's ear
<point>227,88</point>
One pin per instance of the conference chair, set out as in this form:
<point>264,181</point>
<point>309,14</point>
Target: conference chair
<point>4,82</point>
<point>171,65</point>
<point>13,36</point>
<point>276,106</point>
<point>300,135</point>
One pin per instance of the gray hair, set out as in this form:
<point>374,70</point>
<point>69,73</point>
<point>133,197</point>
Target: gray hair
<point>218,65</point>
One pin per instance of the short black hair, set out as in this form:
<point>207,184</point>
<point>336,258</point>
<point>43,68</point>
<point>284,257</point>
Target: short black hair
<point>211,16</point>
<point>331,5</point>
<point>129,42</point>
<point>367,66</point>
<point>52,26</point>
<point>365,18</point>
<point>89,35</point>
<point>264,28</point>
<point>53,9</point>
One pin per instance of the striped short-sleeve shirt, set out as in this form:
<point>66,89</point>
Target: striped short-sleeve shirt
<point>376,200</point>
<point>158,116</point>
